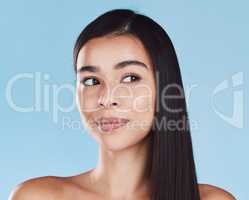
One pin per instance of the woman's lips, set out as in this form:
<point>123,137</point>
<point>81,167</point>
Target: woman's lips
<point>110,124</point>
<point>108,127</point>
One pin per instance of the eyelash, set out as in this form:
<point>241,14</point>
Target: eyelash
<point>125,76</point>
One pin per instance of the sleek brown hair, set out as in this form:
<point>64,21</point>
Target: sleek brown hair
<point>171,166</point>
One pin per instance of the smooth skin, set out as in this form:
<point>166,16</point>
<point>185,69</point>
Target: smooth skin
<point>119,174</point>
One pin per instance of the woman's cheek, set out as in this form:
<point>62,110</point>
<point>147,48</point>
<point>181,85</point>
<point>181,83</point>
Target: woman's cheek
<point>143,108</point>
<point>88,99</point>
<point>142,102</point>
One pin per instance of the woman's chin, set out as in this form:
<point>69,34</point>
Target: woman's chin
<point>119,142</point>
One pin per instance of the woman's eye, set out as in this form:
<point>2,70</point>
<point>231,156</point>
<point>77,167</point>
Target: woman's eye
<point>89,81</point>
<point>132,78</point>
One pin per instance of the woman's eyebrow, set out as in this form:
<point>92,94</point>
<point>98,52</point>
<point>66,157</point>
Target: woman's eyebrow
<point>120,65</point>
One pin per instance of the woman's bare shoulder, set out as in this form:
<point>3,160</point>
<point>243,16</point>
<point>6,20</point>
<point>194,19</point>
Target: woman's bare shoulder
<point>52,187</point>
<point>47,187</point>
<point>211,192</point>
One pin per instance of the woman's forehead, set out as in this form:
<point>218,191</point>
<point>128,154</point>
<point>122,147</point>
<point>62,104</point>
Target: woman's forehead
<point>112,50</point>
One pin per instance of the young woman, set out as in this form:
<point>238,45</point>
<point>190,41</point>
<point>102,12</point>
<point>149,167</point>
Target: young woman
<point>131,99</point>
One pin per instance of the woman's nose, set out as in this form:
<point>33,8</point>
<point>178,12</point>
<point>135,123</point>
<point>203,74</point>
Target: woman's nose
<point>107,99</point>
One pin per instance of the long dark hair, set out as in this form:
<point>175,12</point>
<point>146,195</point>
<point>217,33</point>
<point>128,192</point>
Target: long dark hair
<point>171,166</point>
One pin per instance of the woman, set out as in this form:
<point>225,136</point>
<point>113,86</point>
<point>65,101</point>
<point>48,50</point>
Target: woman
<point>127,73</point>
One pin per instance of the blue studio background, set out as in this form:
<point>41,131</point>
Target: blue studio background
<point>38,138</point>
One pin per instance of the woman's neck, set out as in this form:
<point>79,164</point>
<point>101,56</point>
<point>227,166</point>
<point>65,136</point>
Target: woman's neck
<point>121,174</point>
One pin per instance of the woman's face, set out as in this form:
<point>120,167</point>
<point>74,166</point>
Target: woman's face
<point>110,86</point>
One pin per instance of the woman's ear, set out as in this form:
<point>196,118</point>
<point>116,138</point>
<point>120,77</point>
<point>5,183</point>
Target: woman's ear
<point>76,85</point>
<point>77,102</point>
<point>76,97</point>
